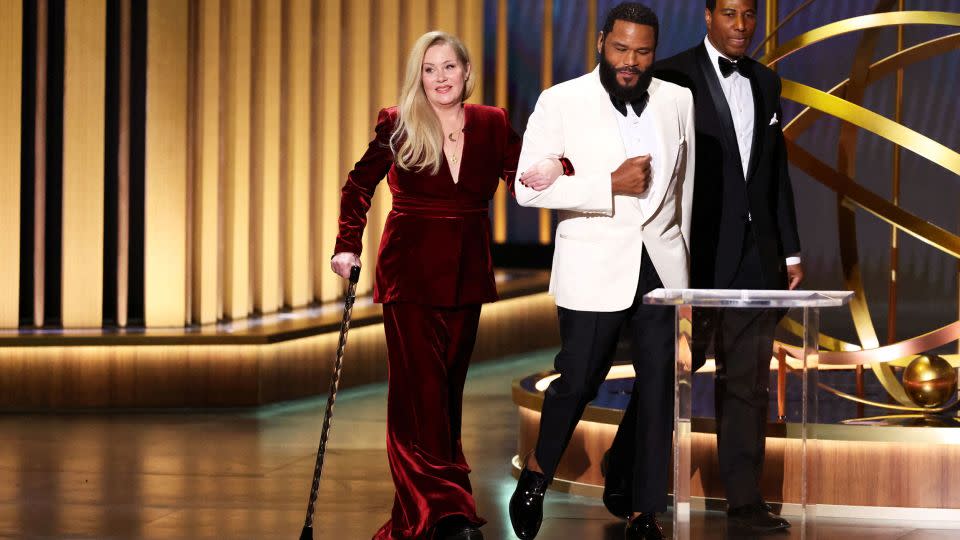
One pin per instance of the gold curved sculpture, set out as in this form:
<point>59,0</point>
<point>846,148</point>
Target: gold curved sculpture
<point>860,196</point>
<point>924,410</point>
<point>877,71</point>
<point>887,354</point>
<point>855,24</point>
<point>842,102</point>
<point>874,123</point>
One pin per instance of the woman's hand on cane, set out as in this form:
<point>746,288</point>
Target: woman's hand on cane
<point>342,263</point>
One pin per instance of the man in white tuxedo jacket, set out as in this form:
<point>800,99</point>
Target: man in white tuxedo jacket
<point>624,229</point>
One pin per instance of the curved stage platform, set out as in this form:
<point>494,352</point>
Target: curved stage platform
<point>878,467</point>
<point>250,362</point>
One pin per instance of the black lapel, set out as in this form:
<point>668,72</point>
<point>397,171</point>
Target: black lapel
<point>728,133</point>
<point>758,125</point>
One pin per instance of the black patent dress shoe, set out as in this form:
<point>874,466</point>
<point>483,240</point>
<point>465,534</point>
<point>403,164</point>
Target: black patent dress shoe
<point>526,504</point>
<point>616,495</point>
<point>457,528</point>
<point>644,527</point>
<point>755,518</point>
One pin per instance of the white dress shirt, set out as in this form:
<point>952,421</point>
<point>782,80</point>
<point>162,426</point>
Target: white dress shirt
<point>739,94</point>
<point>640,138</point>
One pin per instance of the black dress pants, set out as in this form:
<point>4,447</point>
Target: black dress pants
<point>641,449</point>
<point>743,346</point>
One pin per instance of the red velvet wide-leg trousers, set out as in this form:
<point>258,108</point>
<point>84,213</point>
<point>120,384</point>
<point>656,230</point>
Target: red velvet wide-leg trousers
<point>428,352</point>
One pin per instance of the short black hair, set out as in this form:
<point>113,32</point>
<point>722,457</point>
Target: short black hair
<point>712,4</point>
<point>633,12</point>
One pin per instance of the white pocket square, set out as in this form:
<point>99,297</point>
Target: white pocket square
<point>774,121</point>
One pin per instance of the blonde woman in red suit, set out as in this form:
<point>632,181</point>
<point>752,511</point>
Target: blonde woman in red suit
<point>443,160</point>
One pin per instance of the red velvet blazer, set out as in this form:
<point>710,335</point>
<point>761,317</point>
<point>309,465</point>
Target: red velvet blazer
<point>435,248</point>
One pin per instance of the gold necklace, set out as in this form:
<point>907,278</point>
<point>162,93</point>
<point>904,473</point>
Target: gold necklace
<point>453,157</point>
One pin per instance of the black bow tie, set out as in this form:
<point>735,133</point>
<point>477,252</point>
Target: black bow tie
<point>638,104</point>
<point>727,67</point>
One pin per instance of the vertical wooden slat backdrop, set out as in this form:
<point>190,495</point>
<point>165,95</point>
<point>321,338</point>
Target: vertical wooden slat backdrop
<point>193,135</point>
<point>328,184</point>
<point>416,22</point>
<point>247,139</point>
<point>166,164</point>
<point>83,158</point>
<point>445,16</point>
<point>296,189</point>
<point>546,81</point>
<point>590,50</point>
<point>500,100</point>
<point>318,260</point>
<point>266,157</point>
<point>471,33</point>
<point>386,67</point>
<point>11,80</point>
<point>206,180</point>
<point>236,196</point>
<point>358,117</point>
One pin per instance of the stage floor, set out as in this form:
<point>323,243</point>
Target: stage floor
<point>196,475</point>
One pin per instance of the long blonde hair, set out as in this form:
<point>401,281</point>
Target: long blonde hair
<point>417,140</point>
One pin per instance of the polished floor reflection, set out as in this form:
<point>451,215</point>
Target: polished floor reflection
<point>245,475</point>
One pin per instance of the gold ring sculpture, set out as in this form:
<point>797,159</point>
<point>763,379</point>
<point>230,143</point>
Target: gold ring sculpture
<point>843,102</point>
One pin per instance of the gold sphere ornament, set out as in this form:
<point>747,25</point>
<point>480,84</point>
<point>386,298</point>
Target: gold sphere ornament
<point>930,381</point>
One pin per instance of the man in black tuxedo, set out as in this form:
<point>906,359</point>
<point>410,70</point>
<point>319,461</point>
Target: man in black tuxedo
<point>744,235</point>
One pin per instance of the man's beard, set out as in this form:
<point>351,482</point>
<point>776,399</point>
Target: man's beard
<point>629,94</point>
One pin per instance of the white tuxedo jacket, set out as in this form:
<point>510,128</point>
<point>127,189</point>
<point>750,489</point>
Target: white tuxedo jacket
<point>600,236</point>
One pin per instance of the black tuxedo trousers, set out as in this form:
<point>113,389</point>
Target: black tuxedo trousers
<point>640,454</point>
<point>743,346</point>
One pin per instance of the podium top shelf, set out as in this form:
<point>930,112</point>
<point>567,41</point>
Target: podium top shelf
<point>746,298</point>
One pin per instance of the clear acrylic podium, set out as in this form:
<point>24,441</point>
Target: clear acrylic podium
<point>685,300</point>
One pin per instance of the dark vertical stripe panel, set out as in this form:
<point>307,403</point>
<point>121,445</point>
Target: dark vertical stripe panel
<point>138,101</point>
<point>111,173</point>
<point>27,164</point>
<point>193,89</point>
<point>53,238</point>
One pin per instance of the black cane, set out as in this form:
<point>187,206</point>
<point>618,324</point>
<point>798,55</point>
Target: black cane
<point>307,532</point>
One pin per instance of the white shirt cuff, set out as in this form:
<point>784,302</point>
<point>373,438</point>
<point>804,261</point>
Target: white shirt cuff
<point>793,260</point>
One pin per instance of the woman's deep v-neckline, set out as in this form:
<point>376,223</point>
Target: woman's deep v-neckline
<point>463,152</point>
<point>446,161</point>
